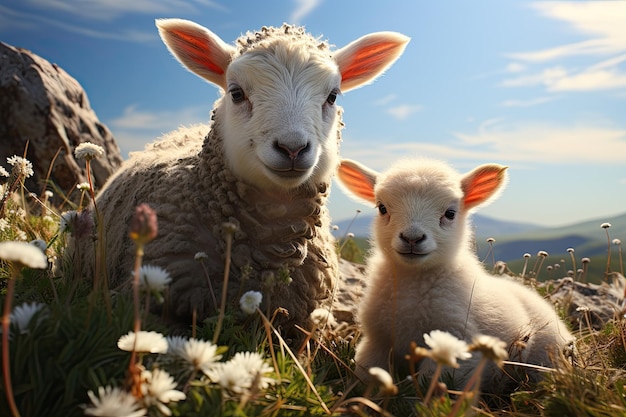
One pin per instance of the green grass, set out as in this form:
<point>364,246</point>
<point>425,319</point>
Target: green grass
<point>71,348</point>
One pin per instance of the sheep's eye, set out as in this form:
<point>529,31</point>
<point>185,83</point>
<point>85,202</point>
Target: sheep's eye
<point>382,209</point>
<point>449,214</point>
<point>332,97</point>
<point>237,94</point>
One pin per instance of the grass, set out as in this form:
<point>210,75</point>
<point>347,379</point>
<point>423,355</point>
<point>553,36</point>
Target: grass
<point>69,348</point>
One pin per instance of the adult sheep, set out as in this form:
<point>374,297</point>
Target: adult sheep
<point>423,274</point>
<point>264,164</point>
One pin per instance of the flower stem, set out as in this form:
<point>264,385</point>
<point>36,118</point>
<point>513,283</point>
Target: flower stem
<point>6,365</point>
<point>433,384</point>
<point>220,318</point>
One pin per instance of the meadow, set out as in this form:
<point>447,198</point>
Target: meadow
<point>73,348</point>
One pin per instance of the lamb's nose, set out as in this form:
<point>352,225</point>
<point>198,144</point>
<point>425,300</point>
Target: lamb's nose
<point>413,239</point>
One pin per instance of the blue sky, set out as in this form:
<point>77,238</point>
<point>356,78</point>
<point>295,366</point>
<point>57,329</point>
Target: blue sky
<point>537,86</point>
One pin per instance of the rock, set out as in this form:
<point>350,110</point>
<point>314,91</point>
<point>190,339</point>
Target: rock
<point>42,105</point>
<point>590,304</point>
<point>350,287</point>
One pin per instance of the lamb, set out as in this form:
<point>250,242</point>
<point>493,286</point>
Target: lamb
<point>264,164</point>
<point>423,275</point>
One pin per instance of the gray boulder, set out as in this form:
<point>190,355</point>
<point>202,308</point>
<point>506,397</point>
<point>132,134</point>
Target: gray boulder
<point>42,105</point>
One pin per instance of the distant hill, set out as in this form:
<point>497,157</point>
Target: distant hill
<point>514,239</point>
<point>482,225</point>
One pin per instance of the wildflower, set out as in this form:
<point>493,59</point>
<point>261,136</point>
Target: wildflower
<point>83,186</point>
<point>88,151</point>
<point>199,256</point>
<point>23,314</point>
<point>4,225</point>
<point>244,373</point>
<point>583,309</point>
<point>445,348</point>
<point>22,167</point>
<point>199,354</point>
<point>585,260</point>
<point>158,389</point>
<point>67,220</point>
<point>154,277</point>
<point>491,240</point>
<point>229,227</point>
<point>542,253</point>
<point>491,347</point>
<point>147,342</point>
<point>38,243</point>
<point>570,250</point>
<point>527,255</point>
<point>250,301</point>
<point>322,316</point>
<point>143,225</point>
<point>48,194</point>
<point>350,235</point>
<point>605,225</point>
<point>617,242</point>
<point>335,227</point>
<point>23,254</point>
<point>3,172</point>
<point>385,381</point>
<point>113,402</point>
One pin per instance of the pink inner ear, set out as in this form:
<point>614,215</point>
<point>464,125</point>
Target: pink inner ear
<point>197,50</point>
<point>356,182</point>
<point>366,58</point>
<point>481,187</point>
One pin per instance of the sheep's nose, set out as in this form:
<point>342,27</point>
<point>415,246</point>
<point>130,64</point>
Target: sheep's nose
<point>413,239</point>
<point>291,151</point>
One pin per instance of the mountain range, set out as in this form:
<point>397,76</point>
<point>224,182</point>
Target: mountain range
<point>514,239</point>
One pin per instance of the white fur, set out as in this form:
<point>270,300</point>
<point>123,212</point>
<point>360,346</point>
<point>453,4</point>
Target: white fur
<point>442,285</point>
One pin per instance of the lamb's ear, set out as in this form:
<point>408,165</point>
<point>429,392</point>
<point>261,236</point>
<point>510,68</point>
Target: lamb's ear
<point>483,184</point>
<point>361,61</point>
<point>197,48</point>
<point>358,179</point>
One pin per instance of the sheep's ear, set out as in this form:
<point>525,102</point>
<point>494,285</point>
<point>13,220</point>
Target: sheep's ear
<point>361,61</point>
<point>483,184</point>
<point>357,179</point>
<point>197,48</point>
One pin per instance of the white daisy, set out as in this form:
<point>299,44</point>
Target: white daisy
<point>113,402</point>
<point>88,151</point>
<point>385,380</point>
<point>245,372</point>
<point>23,254</point>
<point>250,301</point>
<point>491,347</point>
<point>199,354</point>
<point>83,186</point>
<point>154,277</point>
<point>158,389</point>
<point>3,172</point>
<point>147,342</point>
<point>446,349</point>
<point>21,166</point>
<point>23,314</point>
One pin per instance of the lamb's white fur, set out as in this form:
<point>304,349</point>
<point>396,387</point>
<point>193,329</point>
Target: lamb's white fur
<point>423,274</point>
<point>264,163</point>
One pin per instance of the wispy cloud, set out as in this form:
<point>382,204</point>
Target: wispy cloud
<point>303,8</point>
<point>528,103</point>
<point>603,22</point>
<point>135,127</point>
<point>496,140</point>
<point>403,111</point>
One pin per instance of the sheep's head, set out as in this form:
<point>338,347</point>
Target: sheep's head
<point>278,117</point>
<point>422,205</point>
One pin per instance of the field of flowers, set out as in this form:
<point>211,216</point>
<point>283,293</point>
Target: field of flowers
<point>73,348</point>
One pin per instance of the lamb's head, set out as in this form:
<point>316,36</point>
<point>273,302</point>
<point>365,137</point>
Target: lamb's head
<point>422,206</point>
<point>278,118</point>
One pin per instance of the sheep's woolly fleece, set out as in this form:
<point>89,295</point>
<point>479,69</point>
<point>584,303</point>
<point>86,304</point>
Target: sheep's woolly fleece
<point>184,178</point>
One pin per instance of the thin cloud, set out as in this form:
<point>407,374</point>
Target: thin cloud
<point>524,144</point>
<point>527,103</point>
<point>303,9</point>
<point>404,111</point>
<point>136,119</point>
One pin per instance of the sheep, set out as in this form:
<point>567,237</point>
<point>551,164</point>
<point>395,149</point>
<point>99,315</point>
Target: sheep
<point>263,164</point>
<point>422,274</point>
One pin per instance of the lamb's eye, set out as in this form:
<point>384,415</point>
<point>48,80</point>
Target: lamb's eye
<point>332,97</point>
<point>237,94</point>
<point>382,209</point>
<point>449,214</point>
